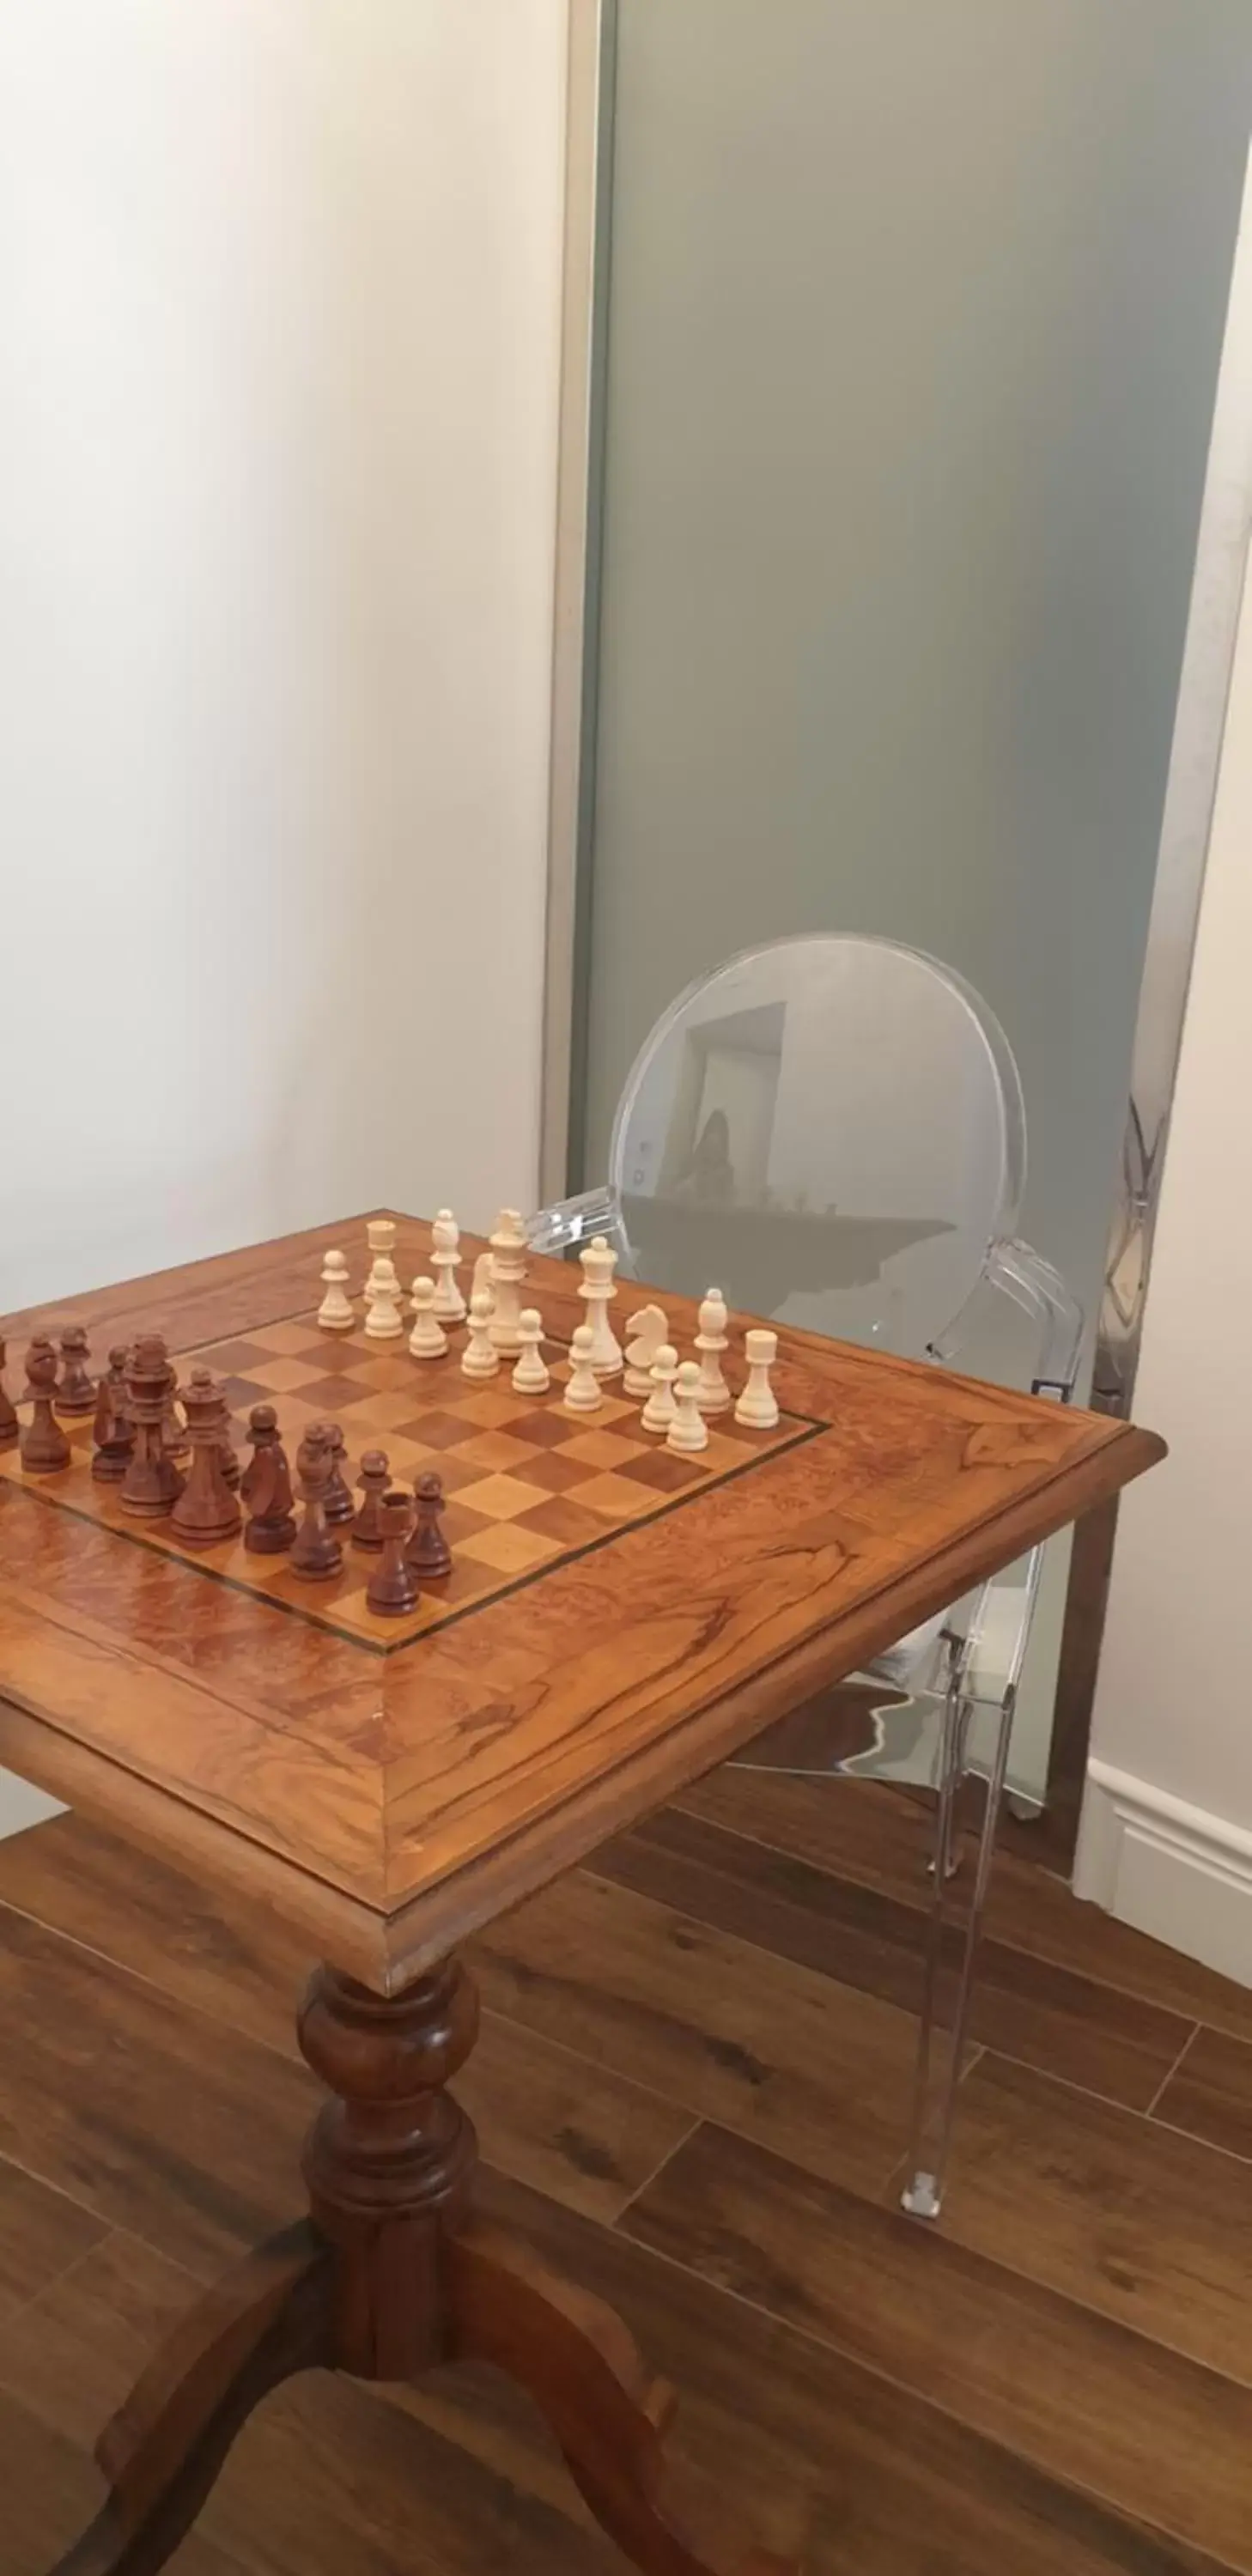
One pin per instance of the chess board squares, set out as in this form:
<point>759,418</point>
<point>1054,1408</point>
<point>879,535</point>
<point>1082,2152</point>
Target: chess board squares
<point>436,1430</point>
<point>662,1472</point>
<point>283,1340</point>
<point>503,1498</point>
<point>605,1449</point>
<point>554,1471</point>
<point>612,1498</point>
<point>329,1395</point>
<point>511,1549</point>
<point>239,1358</point>
<point>497,1452</point>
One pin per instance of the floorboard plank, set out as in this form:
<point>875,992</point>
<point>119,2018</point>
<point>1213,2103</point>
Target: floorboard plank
<point>41,2235</point>
<point>1211,2094</point>
<point>154,2119</point>
<point>1047,2016</point>
<point>712,2024</point>
<point>49,2491</point>
<point>879,1836</point>
<point>1149,2227</point>
<point>1087,2401</point>
<point>245,1969</point>
<point>865,2476</point>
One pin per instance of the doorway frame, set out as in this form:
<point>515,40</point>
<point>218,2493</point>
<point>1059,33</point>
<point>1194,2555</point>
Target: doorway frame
<point>1222,546</point>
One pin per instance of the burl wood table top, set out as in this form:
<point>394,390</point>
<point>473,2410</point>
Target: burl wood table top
<point>611,1631</point>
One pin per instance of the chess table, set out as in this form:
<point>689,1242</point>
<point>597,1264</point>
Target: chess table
<point>617,1621</point>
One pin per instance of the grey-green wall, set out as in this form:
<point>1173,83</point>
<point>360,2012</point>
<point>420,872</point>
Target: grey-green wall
<point>914,329</point>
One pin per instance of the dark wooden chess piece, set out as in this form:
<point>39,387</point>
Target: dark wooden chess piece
<point>374,1479</point>
<point>428,1552</point>
<point>10,1428</point>
<point>152,1482</point>
<point>317,1552</point>
<point>114,1438</point>
<point>44,1446</point>
<point>340,1508</point>
<point>76,1387</point>
<point>392,1587</point>
<point>266,1487</point>
<point>206,1511</point>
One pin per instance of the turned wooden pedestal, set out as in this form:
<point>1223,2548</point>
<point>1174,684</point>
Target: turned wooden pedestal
<point>389,2276</point>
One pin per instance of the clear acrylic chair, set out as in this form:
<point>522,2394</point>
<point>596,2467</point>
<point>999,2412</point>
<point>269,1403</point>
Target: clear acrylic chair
<point>832,1129</point>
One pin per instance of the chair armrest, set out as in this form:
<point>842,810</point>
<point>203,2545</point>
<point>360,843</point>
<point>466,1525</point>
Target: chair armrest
<point>1015,1270</point>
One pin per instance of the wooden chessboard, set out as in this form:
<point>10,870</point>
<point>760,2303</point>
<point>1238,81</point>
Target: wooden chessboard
<point>618,1619</point>
<point>529,1485</point>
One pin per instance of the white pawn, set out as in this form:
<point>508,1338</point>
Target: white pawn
<point>648,1329</point>
<point>507,1276</point>
<point>428,1340</point>
<point>757,1408</point>
<point>445,1261</point>
<point>383,1292</point>
<point>335,1313</point>
<point>531,1375</point>
<point>660,1409</point>
<point>599,1261</point>
<point>584,1393</point>
<point>711,1340</point>
<point>688,1431</point>
<point>478,1359</point>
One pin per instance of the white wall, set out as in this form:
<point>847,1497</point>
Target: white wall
<point>279,341</point>
<point>1167,1824</point>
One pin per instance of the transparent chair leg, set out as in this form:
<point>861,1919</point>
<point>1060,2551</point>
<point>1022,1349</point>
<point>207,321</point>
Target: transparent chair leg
<point>940,2054</point>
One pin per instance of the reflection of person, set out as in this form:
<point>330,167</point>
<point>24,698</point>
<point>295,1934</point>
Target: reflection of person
<point>710,1174</point>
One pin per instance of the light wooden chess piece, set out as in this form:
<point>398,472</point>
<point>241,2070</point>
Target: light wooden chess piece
<point>428,1340</point>
<point>445,1261</point>
<point>383,1292</point>
<point>335,1314</point>
<point>647,1329</point>
<point>532,1375</point>
<point>479,1357</point>
<point>712,1339</point>
<point>599,1261</point>
<point>757,1408</point>
<point>508,1274</point>
<point>660,1409</point>
<point>584,1393</point>
<point>688,1431</point>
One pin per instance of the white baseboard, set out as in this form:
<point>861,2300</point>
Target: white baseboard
<point>20,1805</point>
<point>1169,1868</point>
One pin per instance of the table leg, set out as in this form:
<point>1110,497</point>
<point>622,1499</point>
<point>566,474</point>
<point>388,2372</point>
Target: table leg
<point>390,2276</point>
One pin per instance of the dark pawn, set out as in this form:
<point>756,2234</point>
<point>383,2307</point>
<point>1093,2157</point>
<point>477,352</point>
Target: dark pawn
<point>374,1479</point>
<point>76,1390</point>
<point>206,1511</point>
<point>317,1552</point>
<point>10,1428</point>
<point>266,1486</point>
<point>152,1483</point>
<point>392,1587</point>
<point>428,1552</point>
<point>44,1448</point>
<point>114,1439</point>
<point>340,1508</point>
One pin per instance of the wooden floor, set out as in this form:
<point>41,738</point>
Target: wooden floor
<point>692,2089</point>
